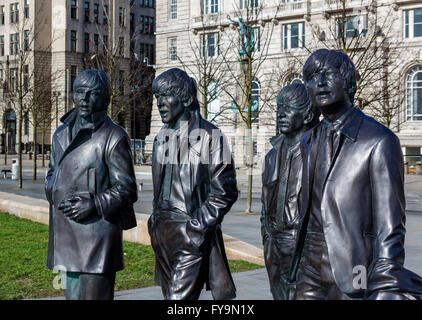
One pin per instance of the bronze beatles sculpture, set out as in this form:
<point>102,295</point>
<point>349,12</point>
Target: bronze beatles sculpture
<point>194,182</point>
<point>281,185</point>
<point>351,230</point>
<point>91,188</point>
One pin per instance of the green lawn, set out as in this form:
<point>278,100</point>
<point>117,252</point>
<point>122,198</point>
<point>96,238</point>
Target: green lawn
<point>23,256</point>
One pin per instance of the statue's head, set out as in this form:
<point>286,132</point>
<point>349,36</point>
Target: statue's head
<point>91,92</point>
<point>330,77</point>
<point>175,92</point>
<point>295,110</point>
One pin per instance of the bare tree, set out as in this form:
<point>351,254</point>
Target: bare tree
<point>366,33</point>
<point>30,50</point>
<point>130,74</point>
<point>206,63</point>
<point>249,36</point>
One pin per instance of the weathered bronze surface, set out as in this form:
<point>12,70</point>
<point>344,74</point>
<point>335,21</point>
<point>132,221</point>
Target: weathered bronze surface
<point>91,188</point>
<point>194,181</point>
<point>351,232</point>
<point>281,186</point>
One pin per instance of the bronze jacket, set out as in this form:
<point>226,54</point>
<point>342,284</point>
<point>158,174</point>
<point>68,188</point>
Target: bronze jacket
<point>96,163</point>
<point>209,186</point>
<point>362,211</point>
<point>271,175</point>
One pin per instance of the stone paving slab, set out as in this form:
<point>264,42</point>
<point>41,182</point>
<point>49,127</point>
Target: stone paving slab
<point>250,285</point>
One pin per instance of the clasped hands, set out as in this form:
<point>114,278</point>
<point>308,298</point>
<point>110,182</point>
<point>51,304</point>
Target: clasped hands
<point>78,208</point>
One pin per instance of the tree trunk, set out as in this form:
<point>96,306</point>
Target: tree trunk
<point>35,152</point>
<point>6,146</point>
<point>43,143</point>
<point>20,178</point>
<point>249,165</point>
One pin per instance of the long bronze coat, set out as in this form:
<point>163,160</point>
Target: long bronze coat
<point>362,210</point>
<point>96,163</point>
<point>209,187</point>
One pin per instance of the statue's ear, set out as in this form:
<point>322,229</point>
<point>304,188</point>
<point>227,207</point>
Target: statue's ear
<point>309,116</point>
<point>188,102</point>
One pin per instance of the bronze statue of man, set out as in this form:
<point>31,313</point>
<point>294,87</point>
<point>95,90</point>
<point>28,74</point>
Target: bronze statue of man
<point>281,185</point>
<point>91,188</point>
<point>194,182</point>
<point>351,232</point>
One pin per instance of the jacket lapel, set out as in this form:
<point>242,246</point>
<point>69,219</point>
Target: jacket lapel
<point>190,147</point>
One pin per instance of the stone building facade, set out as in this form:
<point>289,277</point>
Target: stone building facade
<point>296,28</point>
<point>64,37</point>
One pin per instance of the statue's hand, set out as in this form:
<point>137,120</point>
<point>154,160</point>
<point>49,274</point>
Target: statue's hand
<point>78,208</point>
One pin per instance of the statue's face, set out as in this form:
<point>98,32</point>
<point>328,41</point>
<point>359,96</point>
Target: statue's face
<point>170,107</point>
<point>326,88</point>
<point>289,118</point>
<point>88,99</point>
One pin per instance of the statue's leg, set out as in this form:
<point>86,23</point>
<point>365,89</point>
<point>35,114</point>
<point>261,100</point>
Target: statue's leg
<point>179,263</point>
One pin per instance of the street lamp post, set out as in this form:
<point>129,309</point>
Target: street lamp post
<point>57,94</point>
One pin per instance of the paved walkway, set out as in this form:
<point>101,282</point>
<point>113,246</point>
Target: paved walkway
<point>251,284</point>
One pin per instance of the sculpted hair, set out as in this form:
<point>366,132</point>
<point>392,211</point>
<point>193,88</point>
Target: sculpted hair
<point>296,96</point>
<point>92,77</point>
<point>338,59</point>
<point>176,82</point>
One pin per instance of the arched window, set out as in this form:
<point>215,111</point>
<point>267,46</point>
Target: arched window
<point>256,92</point>
<point>213,102</point>
<point>294,78</point>
<point>414,94</point>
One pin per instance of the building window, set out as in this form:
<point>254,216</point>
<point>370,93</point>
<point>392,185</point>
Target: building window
<point>414,94</point>
<point>356,26</point>
<point>1,75</point>
<point>293,35</point>
<point>105,43</point>
<point>96,41</point>
<point>14,12</point>
<point>147,53</point>
<point>2,13</point>
<point>86,43</point>
<point>173,9</point>
<point>26,78</point>
<point>244,4</point>
<point>121,46</point>
<point>210,6</point>
<point>14,79</point>
<point>14,44</point>
<point>173,49</point>
<point>105,14</point>
<point>86,9</point>
<point>210,44</point>
<point>255,96</point>
<point>74,9</point>
<point>96,12</point>
<point>73,40</point>
<point>26,9</point>
<point>73,73</point>
<point>413,23</point>
<point>122,82</point>
<point>2,46</point>
<point>294,78</point>
<point>256,37</point>
<point>121,17</point>
<point>132,22</point>
<point>213,102</point>
<point>26,41</point>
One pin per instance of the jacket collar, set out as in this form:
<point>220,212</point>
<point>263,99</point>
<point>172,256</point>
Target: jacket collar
<point>351,124</point>
<point>348,125</point>
<point>277,141</point>
<point>98,118</point>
